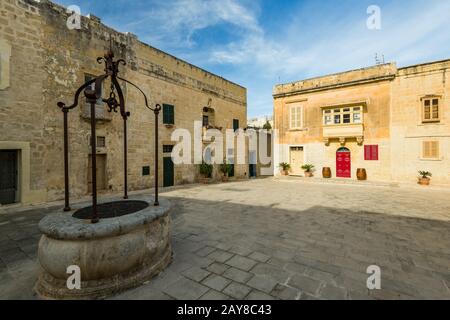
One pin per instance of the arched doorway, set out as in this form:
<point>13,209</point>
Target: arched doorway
<point>343,163</point>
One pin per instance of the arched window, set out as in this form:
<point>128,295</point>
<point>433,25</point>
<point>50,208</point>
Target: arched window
<point>343,149</point>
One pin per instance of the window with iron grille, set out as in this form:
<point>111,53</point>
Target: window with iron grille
<point>101,142</point>
<point>168,114</point>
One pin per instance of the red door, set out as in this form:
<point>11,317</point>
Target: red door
<point>343,164</point>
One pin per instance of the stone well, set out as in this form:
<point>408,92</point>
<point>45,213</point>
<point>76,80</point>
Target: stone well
<point>113,255</point>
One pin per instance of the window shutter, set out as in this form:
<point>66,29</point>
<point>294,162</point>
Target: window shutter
<point>296,117</point>
<point>168,114</point>
<point>375,152</point>
<point>371,152</point>
<point>367,153</point>
<point>430,150</point>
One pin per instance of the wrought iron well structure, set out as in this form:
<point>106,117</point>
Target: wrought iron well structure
<point>92,96</point>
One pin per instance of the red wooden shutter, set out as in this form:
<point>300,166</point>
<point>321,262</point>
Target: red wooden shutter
<point>367,152</point>
<point>371,152</point>
<point>375,152</point>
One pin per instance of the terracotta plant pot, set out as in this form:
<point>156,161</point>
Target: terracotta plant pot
<point>326,172</point>
<point>225,178</point>
<point>361,174</point>
<point>424,181</point>
<point>308,174</point>
<point>284,172</point>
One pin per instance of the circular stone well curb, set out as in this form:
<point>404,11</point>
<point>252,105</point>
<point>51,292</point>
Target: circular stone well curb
<point>113,255</point>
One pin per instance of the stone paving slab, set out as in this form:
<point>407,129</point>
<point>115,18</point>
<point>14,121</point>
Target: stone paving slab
<point>273,239</point>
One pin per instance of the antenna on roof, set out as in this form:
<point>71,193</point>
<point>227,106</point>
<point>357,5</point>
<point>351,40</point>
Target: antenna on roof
<point>379,61</point>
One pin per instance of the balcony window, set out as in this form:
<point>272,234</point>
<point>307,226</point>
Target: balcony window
<point>346,118</point>
<point>344,115</point>
<point>337,119</point>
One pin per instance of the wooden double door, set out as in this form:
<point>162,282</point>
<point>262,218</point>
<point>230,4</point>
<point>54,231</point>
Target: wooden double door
<point>343,163</point>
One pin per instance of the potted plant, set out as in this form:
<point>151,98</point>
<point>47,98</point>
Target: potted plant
<point>285,167</point>
<point>424,178</point>
<point>225,168</point>
<point>206,170</point>
<point>309,169</point>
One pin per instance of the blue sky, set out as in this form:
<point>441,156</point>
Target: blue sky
<point>259,43</point>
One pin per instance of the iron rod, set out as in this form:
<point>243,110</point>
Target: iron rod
<point>94,165</point>
<point>125,158</point>
<point>66,163</point>
<point>156,111</point>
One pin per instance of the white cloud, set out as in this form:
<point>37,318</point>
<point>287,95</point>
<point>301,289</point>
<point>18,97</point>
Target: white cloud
<point>313,41</point>
<point>177,21</point>
<point>347,44</point>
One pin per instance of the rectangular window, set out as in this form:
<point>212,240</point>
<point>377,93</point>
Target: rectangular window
<point>371,152</point>
<point>337,119</point>
<point>430,150</point>
<point>205,121</point>
<point>146,171</point>
<point>296,117</point>
<point>101,142</point>
<point>168,114</point>
<point>235,124</point>
<point>346,118</point>
<point>167,148</point>
<point>88,77</point>
<point>431,112</point>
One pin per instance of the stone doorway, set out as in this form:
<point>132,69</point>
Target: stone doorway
<point>101,173</point>
<point>343,163</point>
<point>296,160</point>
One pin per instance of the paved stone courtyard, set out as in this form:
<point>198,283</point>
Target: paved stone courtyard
<point>278,239</point>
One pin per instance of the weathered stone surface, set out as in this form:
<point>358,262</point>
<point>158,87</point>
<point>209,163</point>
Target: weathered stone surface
<point>400,232</point>
<point>41,54</point>
<point>137,248</point>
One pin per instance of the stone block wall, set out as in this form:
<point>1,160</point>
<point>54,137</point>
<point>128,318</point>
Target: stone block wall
<point>49,62</point>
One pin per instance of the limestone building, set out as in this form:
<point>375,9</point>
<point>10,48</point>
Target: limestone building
<point>390,121</point>
<point>43,62</point>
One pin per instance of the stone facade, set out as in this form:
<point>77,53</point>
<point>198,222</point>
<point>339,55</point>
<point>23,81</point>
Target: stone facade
<point>46,62</point>
<point>384,110</point>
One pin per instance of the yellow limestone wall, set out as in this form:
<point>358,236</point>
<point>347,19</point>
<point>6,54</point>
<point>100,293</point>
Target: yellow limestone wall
<point>392,119</point>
